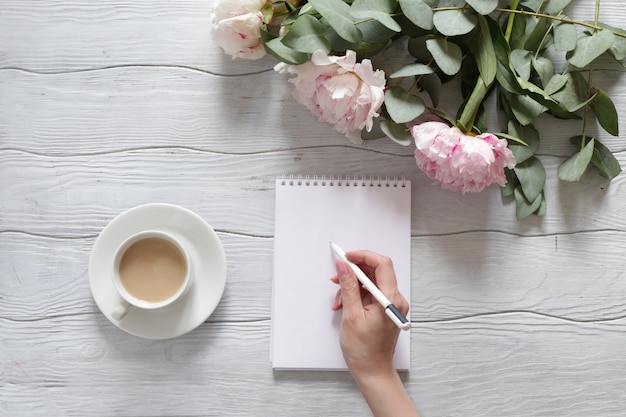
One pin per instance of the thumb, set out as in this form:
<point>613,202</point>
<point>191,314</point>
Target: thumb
<point>350,287</point>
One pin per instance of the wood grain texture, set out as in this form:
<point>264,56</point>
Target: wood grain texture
<point>133,107</point>
<point>108,105</point>
<point>52,37</point>
<point>77,195</point>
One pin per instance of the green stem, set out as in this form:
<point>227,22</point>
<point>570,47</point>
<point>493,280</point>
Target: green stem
<point>561,19</point>
<point>590,85</point>
<point>466,121</point>
<point>511,20</point>
<point>558,19</point>
<point>419,78</point>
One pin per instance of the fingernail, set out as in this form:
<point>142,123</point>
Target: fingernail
<point>342,269</point>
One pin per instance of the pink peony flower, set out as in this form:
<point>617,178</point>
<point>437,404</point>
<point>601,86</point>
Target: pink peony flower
<point>237,27</point>
<point>461,162</point>
<point>339,90</point>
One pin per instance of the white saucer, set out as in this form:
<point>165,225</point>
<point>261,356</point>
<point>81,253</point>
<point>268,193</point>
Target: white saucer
<point>208,265</point>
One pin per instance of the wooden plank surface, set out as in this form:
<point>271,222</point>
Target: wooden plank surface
<point>108,105</point>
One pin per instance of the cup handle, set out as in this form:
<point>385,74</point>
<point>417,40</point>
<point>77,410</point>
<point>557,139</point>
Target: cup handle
<point>120,311</point>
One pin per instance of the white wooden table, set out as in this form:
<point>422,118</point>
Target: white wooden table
<point>111,104</point>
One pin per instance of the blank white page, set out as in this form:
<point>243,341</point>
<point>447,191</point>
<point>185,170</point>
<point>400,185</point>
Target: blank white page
<point>356,214</point>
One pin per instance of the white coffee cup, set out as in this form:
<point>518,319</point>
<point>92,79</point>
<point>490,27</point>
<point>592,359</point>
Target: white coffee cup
<point>151,270</point>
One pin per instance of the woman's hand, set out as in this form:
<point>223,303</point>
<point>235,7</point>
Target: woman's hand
<point>368,337</point>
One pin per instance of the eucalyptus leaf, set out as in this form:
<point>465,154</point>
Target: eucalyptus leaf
<point>454,22</point>
<point>442,116</point>
<point>605,161</point>
<point>554,6</point>
<point>504,74</point>
<point>532,177</point>
<point>368,49</point>
<point>399,133</point>
<point>431,83</point>
<point>336,12</point>
<point>576,165</point>
<point>618,48</point>
<point>409,28</point>
<point>412,70</point>
<point>544,68</point>
<point>511,183</point>
<point>537,39</point>
<point>447,55</point>
<point>306,35</point>
<point>418,12</point>
<point>337,43</point>
<point>384,18</point>
<point>484,52</point>
<point>602,158</point>
<point>521,62</point>
<point>529,135</point>
<point>508,80</point>
<point>417,48</point>
<point>374,31</point>
<point>516,141</point>
<point>375,133</point>
<point>533,5</point>
<point>543,207</point>
<point>384,6</point>
<point>518,32</point>
<point>532,88</point>
<point>556,82</point>
<point>402,106</point>
<point>564,37</point>
<point>525,109</point>
<point>574,95</point>
<point>483,7</point>
<point>604,109</point>
<point>523,207</point>
<point>553,107</point>
<point>590,47</point>
<point>280,51</point>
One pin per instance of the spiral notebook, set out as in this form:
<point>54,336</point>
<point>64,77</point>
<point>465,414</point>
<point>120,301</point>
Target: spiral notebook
<point>356,213</point>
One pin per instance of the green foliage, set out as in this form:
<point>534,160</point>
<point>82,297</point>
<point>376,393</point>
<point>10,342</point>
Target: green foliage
<point>532,177</point>
<point>282,52</point>
<point>411,70</point>
<point>454,22</point>
<point>499,47</point>
<point>447,55</point>
<point>604,109</point>
<point>602,157</point>
<point>418,12</point>
<point>589,47</point>
<point>336,12</point>
<point>397,132</point>
<point>306,35</point>
<point>483,7</point>
<point>576,165</point>
<point>403,106</point>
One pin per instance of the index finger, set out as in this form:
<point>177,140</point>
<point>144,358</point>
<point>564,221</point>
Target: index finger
<point>385,275</point>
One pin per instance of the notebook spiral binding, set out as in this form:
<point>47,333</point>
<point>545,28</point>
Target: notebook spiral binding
<point>341,181</point>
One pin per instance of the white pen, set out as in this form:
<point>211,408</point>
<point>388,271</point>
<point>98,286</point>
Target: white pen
<point>391,310</point>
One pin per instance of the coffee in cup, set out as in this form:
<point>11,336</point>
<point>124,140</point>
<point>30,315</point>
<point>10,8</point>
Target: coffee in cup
<point>151,270</point>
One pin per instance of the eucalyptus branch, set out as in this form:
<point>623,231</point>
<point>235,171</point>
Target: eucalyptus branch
<point>560,19</point>
<point>419,78</point>
<point>590,84</point>
<point>468,116</point>
<point>511,20</point>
